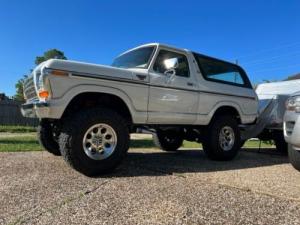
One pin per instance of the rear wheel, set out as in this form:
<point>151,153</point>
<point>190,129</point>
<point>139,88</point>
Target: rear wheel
<point>294,157</point>
<point>94,141</point>
<point>222,140</point>
<point>280,143</point>
<point>167,140</point>
<point>47,138</point>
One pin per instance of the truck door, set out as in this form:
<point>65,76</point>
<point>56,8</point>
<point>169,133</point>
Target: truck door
<point>173,94</point>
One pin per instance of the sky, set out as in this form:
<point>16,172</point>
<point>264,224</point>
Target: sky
<point>262,36</point>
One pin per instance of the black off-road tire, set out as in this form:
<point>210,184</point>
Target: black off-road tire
<point>72,134</point>
<point>211,144</point>
<point>47,139</point>
<point>280,143</point>
<point>294,157</point>
<point>167,140</point>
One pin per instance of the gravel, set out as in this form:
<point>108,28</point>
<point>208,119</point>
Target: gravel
<point>151,187</point>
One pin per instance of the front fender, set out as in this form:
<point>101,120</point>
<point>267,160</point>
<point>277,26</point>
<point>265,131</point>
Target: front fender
<point>59,105</point>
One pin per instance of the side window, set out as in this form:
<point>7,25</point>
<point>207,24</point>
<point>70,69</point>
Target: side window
<point>182,67</point>
<point>215,70</point>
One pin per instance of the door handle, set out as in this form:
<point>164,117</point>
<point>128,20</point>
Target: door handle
<point>141,76</point>
<point>190,84</point>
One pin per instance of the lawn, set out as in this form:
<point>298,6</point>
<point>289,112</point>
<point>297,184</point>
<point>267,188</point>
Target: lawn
<point>17,129</point>
<point>15,142</point>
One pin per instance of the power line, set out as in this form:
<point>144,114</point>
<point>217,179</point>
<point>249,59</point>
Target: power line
<point>275,69</point>
<point>283,63</point>
<point>268,50</point>
<point>271,59</point>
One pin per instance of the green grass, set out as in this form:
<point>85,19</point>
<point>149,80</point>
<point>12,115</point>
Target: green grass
<point>16,129</point>
<point>28,142</point>
<point>19,144</point>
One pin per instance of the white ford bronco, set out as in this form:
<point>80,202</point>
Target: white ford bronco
<point>87,111</point>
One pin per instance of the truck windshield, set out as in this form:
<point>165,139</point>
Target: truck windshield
<point>138,58</point>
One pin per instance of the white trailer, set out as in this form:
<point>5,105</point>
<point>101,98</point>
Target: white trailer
<point>272,99</point>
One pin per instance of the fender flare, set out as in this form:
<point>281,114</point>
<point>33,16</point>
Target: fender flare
<point>69,95</point>
<point>225,104</point>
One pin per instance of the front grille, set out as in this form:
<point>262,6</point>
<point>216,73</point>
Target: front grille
<point>29,88</point>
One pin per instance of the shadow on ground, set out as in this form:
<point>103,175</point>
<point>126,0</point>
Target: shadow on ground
<point>185,161</point>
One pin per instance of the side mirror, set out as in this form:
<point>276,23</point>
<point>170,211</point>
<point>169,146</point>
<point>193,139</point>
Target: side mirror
<point>170,65</point>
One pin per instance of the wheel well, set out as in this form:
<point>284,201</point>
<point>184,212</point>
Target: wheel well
<point>92,99</point>
<point>228,110</point>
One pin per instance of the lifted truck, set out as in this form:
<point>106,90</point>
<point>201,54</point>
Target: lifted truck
<point>87,111</point>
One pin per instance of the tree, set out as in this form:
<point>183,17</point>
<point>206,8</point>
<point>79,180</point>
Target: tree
<point>294,77</point>
<point>19,96</point>
<point>50,54</point>
<point>3,97</point>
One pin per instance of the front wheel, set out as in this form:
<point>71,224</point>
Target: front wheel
<point>94,141</point>
<point>222,140</point>
<point>294,157</point>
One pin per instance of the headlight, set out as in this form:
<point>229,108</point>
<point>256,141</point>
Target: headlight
<point>293,104</point>
<point>40,82</point>
<point>43,87</point>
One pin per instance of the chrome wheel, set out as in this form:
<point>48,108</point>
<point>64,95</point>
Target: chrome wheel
<point>226,138</point>
<point>100,141</point>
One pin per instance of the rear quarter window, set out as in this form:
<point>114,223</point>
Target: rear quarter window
<point>219,71</point>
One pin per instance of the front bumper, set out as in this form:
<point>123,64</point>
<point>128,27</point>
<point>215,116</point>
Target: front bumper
<point>35,109</point>
<point>292,128</point>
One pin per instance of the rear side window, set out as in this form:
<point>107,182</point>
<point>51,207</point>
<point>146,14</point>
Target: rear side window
<point>219,71</point>
<point>182,69</point>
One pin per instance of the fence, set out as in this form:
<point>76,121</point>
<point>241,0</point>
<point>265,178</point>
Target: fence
<point>10,114</point>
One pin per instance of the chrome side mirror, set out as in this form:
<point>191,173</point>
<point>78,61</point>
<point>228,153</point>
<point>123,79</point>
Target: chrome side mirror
<point>170,72</point>
<point>171,63</point>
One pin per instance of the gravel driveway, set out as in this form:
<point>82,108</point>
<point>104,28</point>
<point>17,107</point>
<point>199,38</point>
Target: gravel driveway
<point>151,187</point>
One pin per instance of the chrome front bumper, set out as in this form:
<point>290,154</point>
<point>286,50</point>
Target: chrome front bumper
<point>35,109</point>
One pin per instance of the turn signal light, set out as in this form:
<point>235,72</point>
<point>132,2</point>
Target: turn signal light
<point>59,73</point>
<point>43,94</point>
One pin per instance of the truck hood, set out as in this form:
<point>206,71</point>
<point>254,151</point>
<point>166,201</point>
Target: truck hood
<point>88,69</point>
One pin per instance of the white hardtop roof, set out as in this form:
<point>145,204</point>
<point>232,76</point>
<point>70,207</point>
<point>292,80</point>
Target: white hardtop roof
<point>157,45</point>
